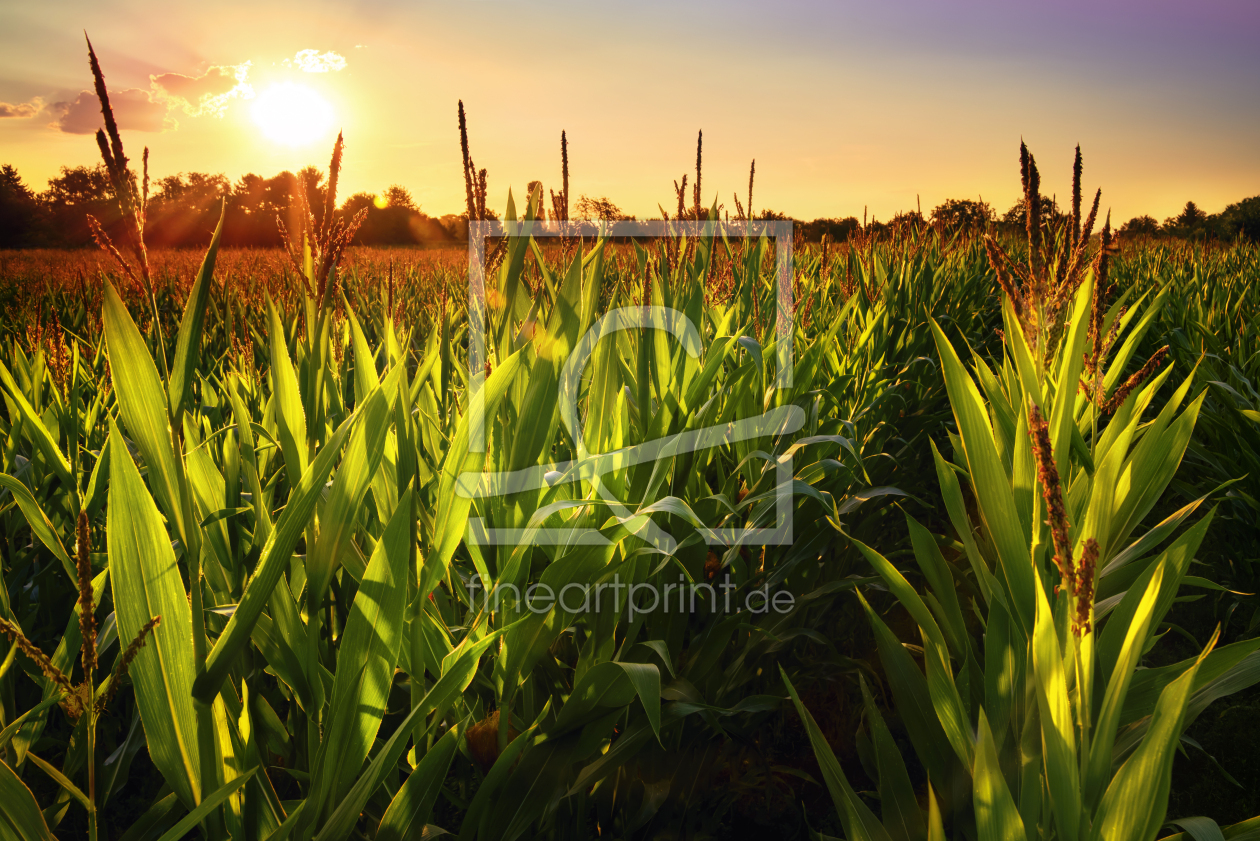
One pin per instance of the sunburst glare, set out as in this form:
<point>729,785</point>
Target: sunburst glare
<point>293,114</point>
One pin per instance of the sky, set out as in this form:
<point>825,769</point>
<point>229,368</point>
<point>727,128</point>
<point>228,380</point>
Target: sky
<point>845,106</point>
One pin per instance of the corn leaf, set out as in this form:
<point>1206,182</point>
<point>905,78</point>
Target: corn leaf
<point>860,823</point>
<point>20,817</point>
<point>412,806</point>
<point>147,583</point>
<point>188,342</point>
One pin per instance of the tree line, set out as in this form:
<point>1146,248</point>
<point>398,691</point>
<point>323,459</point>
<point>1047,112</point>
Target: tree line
<point>183,210</point>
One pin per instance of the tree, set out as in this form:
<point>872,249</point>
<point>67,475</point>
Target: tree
<point>399,196</point>
<point>1191,217</point>
<point>21,221</point>
<point>907,220</point>
<point>72,196</point>
<point>962,215</point>
<point>836,230</point>
<point>1242,219</point>
<point>1017,216</point>
<point>601,208</point>
<point>78,186</point>
<point>1146,226</point>
<point>185,209</point>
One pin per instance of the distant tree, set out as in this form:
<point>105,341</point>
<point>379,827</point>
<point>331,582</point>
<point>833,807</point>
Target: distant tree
<point>1140,226</point>
<point>601,208</point>
<point>253,208</point>
<point>184,209</point>
<point>1017,216</point>
<point>837,230</point>
<point>456,225</point>
<point>769,215</point>
<point>399,196</point>
<point>1242,219</point>
<point>74,194</point>
<point>22,222</point>
<point>907,220</point>
<point>962,215</point>
<point>78,185</point>
<point>391,218</point>
<point>1191,217</point>
<point>358,202</point>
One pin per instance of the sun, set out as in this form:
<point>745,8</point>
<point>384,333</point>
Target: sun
<point>293,114</point>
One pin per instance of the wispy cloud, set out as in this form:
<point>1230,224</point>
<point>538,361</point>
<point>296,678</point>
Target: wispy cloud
<point>313,61</point>
<point>134,109</point>
<point>207,94</point>
<point>21,110</point>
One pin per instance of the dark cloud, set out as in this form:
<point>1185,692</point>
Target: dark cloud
<point>134,109</point>
<point>208,93</point>
<point>21,110</point>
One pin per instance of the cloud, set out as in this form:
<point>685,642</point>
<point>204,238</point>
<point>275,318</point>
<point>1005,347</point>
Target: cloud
<point>313,61</point>
<point>134,109</point>
<point>21,110</point>
<point>208,93</point>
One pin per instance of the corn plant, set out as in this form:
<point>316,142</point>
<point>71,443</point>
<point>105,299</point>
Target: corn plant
<point>1035,721</point>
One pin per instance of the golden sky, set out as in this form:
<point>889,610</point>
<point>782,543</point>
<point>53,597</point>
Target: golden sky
<point>844,105</point>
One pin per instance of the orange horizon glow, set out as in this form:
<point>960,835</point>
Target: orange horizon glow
<point>845,107</point>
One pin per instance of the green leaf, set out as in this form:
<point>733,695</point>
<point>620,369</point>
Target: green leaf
<point>935,824</point>
<point>20,817</point>
<point>948,703</point>
<point>453,507</point>
<point>601,687</point>
<point>412,806</point>
<point>900,811</point>
<point>1135,803</point>
<point>646,680</point>
<point>1174,561</point>
<point>1201,828</point>
<point>188,342</point>
<point>290,415</point>
<point>913,701</point>
<point>900,587</point>
<point>479,809</point>
<point>345,500</point>
<point>147,583</point>
<point>860,823</point>
<point>930,560</point>
<point>366,656</point>
<point>271,565</point>
<point>457,677</point>
<point>143,405</point>
<point>61,780</point>
<point>16,724</point>
<point>40,525</point>
<point>989,480</point>
<point>1058,730</point>
<point>997,819</point>
<point>34,427</point>
<point>197,815</point>
<point>1103,738</point>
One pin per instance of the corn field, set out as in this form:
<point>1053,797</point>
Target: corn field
<point>236,509</point>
